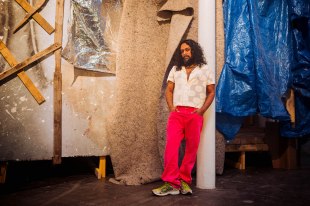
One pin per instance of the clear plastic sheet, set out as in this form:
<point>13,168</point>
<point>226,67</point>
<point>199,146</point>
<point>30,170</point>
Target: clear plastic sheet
<point>93,34</point>
<point>259,57</point>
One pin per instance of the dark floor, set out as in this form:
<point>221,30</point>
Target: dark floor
<point>74,183</point>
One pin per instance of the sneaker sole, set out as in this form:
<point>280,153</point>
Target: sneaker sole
<point>169,193</point>
<point>186,193</point>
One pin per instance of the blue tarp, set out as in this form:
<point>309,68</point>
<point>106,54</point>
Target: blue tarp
<point>300,19</point>
<point>259,59</point>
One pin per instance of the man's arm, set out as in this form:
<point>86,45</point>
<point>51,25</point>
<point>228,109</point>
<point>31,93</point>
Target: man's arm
<point>210,96</point>
<point>169,96</point>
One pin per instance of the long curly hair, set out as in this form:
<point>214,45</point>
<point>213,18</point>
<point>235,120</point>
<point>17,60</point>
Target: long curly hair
<point>197,54</point>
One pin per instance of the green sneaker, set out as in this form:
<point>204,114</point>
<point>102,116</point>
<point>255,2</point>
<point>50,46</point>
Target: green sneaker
<point>166,189</point>
<point>185,189</point>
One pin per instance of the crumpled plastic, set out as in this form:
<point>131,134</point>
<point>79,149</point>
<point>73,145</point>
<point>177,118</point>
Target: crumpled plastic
<point>259,57</point>
<point>300,19</point>
<point>91,38</point>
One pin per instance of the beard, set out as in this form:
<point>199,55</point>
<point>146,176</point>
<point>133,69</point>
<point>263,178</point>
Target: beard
<point>188,62</point>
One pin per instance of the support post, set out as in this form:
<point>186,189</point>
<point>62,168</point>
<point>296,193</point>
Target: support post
<point>100,172</point>
<point>58,84</point>
<point>206,151</point>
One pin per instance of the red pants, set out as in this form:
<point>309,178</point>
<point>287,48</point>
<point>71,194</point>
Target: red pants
<point>181,124</point>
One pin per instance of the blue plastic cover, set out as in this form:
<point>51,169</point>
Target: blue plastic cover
<point>300,19</point>
<point>259,57</point>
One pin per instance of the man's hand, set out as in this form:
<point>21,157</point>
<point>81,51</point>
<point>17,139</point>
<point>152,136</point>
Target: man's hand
<point>199,112</point>
<point>173,109</point>
<point>210,90</point>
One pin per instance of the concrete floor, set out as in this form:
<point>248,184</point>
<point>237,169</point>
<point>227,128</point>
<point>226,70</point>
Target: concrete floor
<point>74,183</point>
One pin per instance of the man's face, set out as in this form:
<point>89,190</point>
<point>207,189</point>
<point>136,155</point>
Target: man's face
<point>186,53</point>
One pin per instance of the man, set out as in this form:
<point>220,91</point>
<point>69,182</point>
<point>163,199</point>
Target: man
<point>190,92</point>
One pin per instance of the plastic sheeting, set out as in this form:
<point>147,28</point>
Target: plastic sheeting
<point>259,59</point>
<point>300,19</point>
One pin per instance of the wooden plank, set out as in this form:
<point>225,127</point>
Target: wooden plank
<point>3,168</point>
<point>58,84</point>
<point>273,141</point>
<point>283,150</point>
<point>37,17</point>
<point>57,119</point>
<point>240,164</point>
<point>32,11</point>
<point>246,148</point>
<point>242,160</point>
<point>291,153</point>
<point>22,75</point>
<point>31,87</point>
<point>29,61</point>
<point>7,54</point>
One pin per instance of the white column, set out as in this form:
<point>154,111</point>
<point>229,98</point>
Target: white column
<point>206,152</point>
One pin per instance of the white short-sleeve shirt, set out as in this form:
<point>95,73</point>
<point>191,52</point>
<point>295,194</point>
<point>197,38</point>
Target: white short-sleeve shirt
<point>191,92</point>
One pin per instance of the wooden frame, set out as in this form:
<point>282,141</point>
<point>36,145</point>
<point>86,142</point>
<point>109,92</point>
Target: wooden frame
<point>56,47</point>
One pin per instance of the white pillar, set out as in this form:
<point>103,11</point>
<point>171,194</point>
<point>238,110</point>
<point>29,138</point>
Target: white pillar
<point>206,152</point>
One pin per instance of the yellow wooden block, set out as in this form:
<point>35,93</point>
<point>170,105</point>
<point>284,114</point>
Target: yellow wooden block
<point>101,171</point>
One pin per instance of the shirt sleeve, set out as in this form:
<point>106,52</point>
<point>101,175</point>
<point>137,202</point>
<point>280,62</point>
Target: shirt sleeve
<point>171,75</point>
<point>210,77</point>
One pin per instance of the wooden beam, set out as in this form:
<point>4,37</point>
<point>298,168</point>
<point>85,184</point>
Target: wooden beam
<point>3,168</point>
<point>240,164</point>
<point>58,84</point>
<point>32,11</point>
<point>242,160</point>
<point>22,75</point>
<point>31,87</point>
<point>283,150</point>
<point>7,55</point>
<point>291,153</point>
<point>246,147</point>
<point>37,17</point>
<point>30,60</point>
